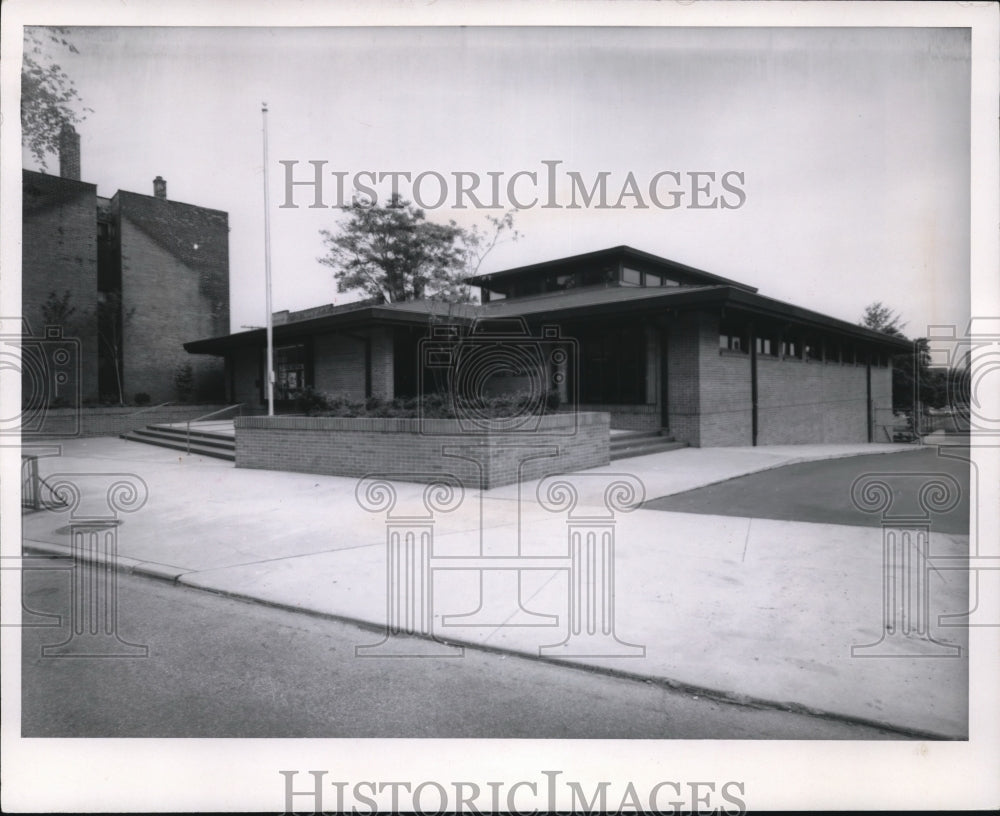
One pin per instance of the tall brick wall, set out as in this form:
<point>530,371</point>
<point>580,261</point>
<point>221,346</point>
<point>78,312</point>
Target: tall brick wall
<point>59,253</point>
<point>170,299</point>
<point>358,447</point>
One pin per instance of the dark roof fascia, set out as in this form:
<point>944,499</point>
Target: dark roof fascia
<point>359,319</point>
<point>622,252</point>
<point>722,296</point>
<point>769,307</point>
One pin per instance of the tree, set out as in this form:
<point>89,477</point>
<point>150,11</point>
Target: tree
<point>111,323</point>
<point>58,310</point>
<point>879,317</point>
<point>912,375</point>
<point>49,98</point>
<point>392,253</point>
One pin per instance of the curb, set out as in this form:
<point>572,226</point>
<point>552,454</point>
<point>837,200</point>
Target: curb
<point>173,575</point>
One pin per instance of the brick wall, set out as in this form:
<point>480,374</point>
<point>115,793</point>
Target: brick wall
<point>411,450</point>
<point>811,401</point>
<point>684,338</point>
<point>629,417</point>
<point>59,253</point>
<point>339,365</point>
<point>90,422</point>
<point>175,276</point>
<point>710,393</point>
<point>169,310</point>
<point>383,377</point>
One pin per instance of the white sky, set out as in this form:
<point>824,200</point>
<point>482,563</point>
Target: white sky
<point>854,143</point>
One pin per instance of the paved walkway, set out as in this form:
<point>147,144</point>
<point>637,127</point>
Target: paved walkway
<point>760,610</point>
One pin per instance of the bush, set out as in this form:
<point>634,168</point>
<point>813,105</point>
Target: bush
<point>184,381</point>
<point>142,398</point>
<point>429,406</point>
<point>311,402</point>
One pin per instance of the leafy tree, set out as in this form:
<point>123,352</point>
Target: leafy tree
<point>392,253</point>
<point>49,98</point>
<point>184,381</point>
<point>880,317</point>
<point>912,375</point>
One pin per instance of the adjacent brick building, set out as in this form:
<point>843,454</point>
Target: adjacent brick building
<point>159,267</point>
<point>654,343</point>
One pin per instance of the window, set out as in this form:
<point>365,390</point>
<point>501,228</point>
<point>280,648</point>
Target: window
<point>766,346</point>
<point>789,348</point>
<point>813,349</point>
<point>613,366</point>
<point>566,280</point>
<point>732,337</point>
<point>289,370</point>
<point>631,277</point>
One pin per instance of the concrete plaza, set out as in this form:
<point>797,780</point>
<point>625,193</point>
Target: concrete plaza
<point>753,610</point>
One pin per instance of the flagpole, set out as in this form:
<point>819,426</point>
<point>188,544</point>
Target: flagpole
<point>267,274</point>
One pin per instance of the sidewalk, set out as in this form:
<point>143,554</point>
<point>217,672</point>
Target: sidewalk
<point>755,610</point>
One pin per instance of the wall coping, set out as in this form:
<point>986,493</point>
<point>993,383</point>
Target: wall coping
<point>128,410</point>
<point>559,423</point>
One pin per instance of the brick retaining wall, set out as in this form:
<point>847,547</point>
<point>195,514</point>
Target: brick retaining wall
<point>413,449</point>
<point>87,422</point>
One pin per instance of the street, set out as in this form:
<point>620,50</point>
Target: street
<point>219,667</point>
<point>820,492</point>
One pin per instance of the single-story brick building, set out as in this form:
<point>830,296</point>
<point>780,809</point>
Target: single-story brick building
<point>655,343</point>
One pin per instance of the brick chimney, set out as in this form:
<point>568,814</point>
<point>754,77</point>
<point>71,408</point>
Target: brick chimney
<point>159,187</point>
<point>69,152</point>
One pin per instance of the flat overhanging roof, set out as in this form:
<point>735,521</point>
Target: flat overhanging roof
<point>600,303</point>
<point>411,313</point>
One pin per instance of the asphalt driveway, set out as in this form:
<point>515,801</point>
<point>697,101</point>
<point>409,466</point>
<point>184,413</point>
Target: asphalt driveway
<point>821,491</point>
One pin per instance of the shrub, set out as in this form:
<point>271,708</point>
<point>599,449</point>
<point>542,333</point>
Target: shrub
<point>429,406</point>
<point>142,398</point>
<point>184,381</point>
<point>311,402</point>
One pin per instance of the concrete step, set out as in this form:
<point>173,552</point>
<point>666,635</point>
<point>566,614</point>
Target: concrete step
<point>646,447</point>
<point>624,440</point>
<point>199,447</point>
<point>215,440</point>
<point>195,431</point>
